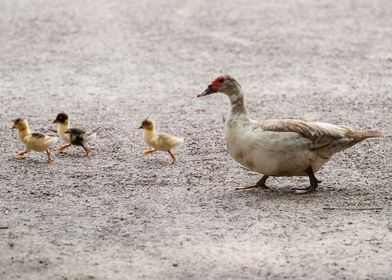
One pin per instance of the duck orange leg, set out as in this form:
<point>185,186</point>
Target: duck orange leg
<point>49,157</point>
<point>63,147</point>
<point>172,156</point>
<point>87,150</point>
<point>147,152</point>
<point>21,154</point>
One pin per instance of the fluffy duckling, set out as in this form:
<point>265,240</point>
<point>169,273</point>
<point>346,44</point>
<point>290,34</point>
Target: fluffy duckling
<point>73,136</point>
<point>281,147</point>
<point>159,141</point>
<point>38,142</point>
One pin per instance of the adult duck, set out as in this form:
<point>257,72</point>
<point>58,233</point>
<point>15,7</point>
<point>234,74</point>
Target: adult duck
<point>281,147</point>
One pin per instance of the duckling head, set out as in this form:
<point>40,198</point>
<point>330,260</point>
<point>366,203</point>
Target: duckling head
<point>147,124</point>
<point>62,118</point>
<point>20,124</point>
<point>225,84</point>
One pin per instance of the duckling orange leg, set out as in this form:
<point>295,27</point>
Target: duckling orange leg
<point>172,156</point>
<point>63,147</point>
<point>147,152</point>
<point>86,150</point>
<point>259,184</point>
<point>21,154</point>
<point>49,157</point>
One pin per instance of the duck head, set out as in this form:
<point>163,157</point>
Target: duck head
<point>20,124</point>
<point>225,84</point>
<point>147,124</point>
<point>62,118</point>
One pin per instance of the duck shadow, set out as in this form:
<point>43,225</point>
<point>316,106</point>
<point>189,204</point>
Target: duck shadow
<point>277,194</point>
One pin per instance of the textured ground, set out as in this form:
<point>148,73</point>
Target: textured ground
<point>118,215</point>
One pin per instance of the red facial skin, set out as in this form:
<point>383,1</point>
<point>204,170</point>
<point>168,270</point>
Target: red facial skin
<point>216,84</point>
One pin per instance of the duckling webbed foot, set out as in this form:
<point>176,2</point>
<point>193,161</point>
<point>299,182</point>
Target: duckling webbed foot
<point>313,182</point>
<point>21,154</point>
<point>172,156</point>
<point>63,147</point>
<point>260,184</point>
<point>147,152</point>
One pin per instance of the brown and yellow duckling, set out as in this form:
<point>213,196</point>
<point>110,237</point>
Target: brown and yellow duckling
<point>73,136</point>
<point>35,141</point>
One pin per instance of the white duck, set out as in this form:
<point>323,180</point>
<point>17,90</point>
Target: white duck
<point>281,147</point>
<point>73,136</point>
<point>33,141</point>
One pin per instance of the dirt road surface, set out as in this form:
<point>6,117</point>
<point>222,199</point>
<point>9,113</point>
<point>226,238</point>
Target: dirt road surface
<point>119,215</point>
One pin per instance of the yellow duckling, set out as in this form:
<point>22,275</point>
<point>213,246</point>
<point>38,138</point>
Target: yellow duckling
<point>159,141</point>
<point>33,141</point>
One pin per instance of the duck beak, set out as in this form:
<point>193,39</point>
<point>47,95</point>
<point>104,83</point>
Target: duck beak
<point>208,91</point>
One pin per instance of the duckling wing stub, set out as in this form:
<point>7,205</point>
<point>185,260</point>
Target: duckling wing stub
<point>37,135</point>
<point>75,131</point>
<point>166,141</point>
<point>76,136</point>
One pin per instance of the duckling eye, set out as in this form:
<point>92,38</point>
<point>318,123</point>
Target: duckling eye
<point>221,80</point>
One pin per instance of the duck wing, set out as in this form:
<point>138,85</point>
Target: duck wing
<point>324,137</point>
<point>314,131</point>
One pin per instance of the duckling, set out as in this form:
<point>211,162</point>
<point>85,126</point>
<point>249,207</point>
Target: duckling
<point>38,142</point>
<point>159,141</point>
<point>73,136</point>
<point>281,147</point>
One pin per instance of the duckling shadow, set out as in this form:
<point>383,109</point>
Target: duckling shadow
<point>30,162</point>
<point>158,162</point>
<point>71,155</point>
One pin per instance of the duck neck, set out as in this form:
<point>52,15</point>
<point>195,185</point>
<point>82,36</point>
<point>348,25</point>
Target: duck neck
<point>238,108</point>
<point>23,132</point>
<point>63,127</point>
<point>150,133</point>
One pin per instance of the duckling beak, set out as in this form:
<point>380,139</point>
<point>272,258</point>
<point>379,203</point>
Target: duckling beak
<point>55,121</point>
<point>140,127</point>
<point>208,91</point>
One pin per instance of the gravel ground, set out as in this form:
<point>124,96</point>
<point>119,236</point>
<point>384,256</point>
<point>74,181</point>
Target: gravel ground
<point>119,215</point>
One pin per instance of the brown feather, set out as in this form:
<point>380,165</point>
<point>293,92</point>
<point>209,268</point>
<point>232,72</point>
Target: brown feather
<point>325,140</point>
<point>308,130</point>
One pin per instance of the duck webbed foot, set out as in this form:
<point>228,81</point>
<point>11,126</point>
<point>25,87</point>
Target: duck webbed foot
<point>260,184</point>
<point>313,182</point>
